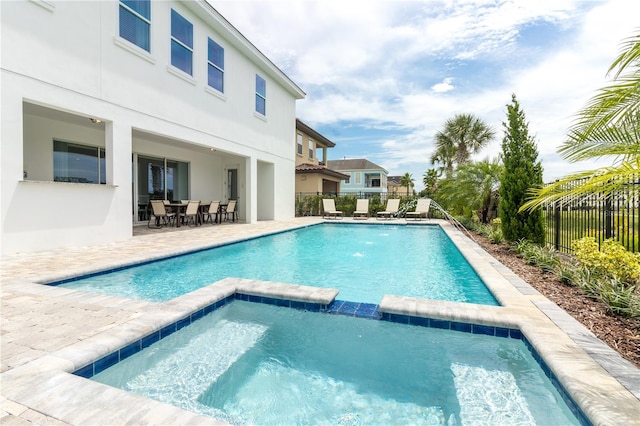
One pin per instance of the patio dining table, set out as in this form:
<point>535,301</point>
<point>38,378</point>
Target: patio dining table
<point>222,208</point>
<point>177,209</point>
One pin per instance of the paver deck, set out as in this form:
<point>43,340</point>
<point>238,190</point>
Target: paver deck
<point>48,332</point>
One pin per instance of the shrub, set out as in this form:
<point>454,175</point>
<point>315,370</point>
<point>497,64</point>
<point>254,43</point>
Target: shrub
<point>612,260</point>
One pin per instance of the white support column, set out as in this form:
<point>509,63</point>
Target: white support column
<point>251,192</point>
<point>118,164</point>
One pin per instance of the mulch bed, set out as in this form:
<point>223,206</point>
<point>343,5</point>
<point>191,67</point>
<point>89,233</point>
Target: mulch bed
<point>620,333</point>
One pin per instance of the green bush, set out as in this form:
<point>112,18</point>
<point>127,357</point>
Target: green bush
<point>612,260</point>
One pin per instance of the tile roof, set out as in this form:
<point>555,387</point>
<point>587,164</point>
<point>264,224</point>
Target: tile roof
<point>315,168</point>
<point>354,164</point>
<point>304,128</point>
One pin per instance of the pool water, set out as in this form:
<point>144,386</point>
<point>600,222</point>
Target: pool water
<point>249,363</point>
<point>363,262</point>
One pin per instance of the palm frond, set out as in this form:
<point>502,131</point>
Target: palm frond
<point>598,184</point>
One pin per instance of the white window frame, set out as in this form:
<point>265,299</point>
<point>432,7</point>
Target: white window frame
<point>299,137</point>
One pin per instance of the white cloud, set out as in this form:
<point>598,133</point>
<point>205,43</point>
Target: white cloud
<point>444,86</point>
<point>395,62</point>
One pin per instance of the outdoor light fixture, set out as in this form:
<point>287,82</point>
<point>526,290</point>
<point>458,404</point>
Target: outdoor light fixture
<point>95,120</point>
<point>212,149</point>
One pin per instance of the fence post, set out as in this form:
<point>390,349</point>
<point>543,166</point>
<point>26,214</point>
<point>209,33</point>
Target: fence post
<point>608,219</point>
<point>556,214</point>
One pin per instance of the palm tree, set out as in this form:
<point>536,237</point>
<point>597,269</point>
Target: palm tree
<point>474,188</point>
<point>608,126</point>
<point>408,181</point>
<point>430,181</point>
<point>462,136</point>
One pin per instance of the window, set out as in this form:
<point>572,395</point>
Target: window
<point>310,148</point>
<point>78,163</point>
<point>216,66</point>
<point>261,95</point>
<point>135,22</point>
<point>299,144</point>
<point>181,43</point>
<point>357,177</point>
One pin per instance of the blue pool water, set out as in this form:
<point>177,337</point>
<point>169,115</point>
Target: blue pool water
<point>363,262</point>
<point>249,363</point>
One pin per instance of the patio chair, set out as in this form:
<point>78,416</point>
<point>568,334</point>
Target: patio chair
<point>191,216</point>
<point>231,210</point>
<point>393,205</point>
<point>212,213</point>
<point>159,215</point>
<point>362,209</point>
<point>329,209</point>
<point>422,209</point>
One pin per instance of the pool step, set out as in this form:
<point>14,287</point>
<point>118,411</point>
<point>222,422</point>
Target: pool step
<point>489,397</point>
<point>197,364</point>
<point>277,394</point>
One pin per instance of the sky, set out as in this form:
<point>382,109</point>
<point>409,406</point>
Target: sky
<point>381,77</point>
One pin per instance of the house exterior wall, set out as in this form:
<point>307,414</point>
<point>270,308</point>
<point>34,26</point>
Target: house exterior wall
<point>65,59</point>
<point>359,185</point>
<point>304,158</point>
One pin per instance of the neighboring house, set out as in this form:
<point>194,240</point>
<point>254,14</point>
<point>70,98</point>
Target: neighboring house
<point>107,104</point>
<point>365,177</point>
<point>312,175</point>
<point>394,188</point>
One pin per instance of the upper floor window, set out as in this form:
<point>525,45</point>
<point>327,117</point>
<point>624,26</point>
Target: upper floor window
<point>181,43</point>
<point>216,66</point>
<point>310,148</point>
<point>299,144</point>
<point>78,163</point>
<point>357,177</point>
<point>135,22</point>
<point>261,95</point>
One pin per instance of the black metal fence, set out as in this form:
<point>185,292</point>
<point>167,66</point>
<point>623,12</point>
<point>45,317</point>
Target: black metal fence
<point>602,217</point>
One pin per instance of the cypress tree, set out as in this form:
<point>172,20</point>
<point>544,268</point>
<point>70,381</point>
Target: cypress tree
<point>522,171</point>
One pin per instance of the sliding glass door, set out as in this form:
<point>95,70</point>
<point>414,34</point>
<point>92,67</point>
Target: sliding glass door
<point>161,179</point>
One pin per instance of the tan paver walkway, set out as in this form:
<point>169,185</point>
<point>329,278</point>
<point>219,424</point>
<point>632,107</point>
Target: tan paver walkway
<point>47,332</point>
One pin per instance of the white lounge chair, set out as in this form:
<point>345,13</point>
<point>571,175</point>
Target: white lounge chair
<point>329,209</point>
<point>393,205</point>
<point>362,209</point>
<point>422,209</point>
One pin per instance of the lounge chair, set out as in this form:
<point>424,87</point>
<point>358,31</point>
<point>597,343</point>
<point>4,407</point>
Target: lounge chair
<point>329,209</point>
<point>159,214</point>
<point>393,205</point>
<point>422,209</point>
<point>362,209</point>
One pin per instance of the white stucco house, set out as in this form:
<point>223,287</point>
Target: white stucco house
<point>106,104</point>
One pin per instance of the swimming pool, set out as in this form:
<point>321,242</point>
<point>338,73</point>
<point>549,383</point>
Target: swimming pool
<point>250,363</point>
<point>363,262</point>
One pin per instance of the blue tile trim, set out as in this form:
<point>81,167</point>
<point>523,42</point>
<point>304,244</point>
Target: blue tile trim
<point>354,309</point>
<point>107,361</point>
